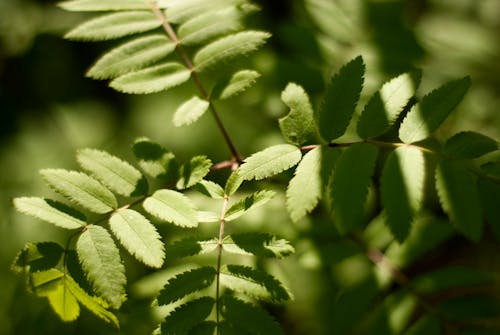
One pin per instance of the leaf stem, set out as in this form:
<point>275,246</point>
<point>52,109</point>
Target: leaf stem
<point>196,79</point>
<point>219,259</point>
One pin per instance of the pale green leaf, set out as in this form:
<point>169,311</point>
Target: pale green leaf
<point>298,126</point>
<point>402,189</point>
<point>187,316</point>
<point>191,247</point>
<point>114,25</point>
<point>306,187</point>
<point>459,197</point>
<point>233,183</point>
<point>428,114</point>
<point>270,161</point>
<point>116,174</point>
<point>190,111</point>
<point>138,236</point>
<point>255,200</point>
<point>384,106</point>
<point>253,282</point>
<point>193,171</point>
<point>103,5</point>
<point>235,84</point>
<point>228,48</point>
<point>80,189</point>
<point>155,160</point>
<point>207,217</point>
<point>50,211</point>
<point>171,206</point>
<point>179,11</point>
<point>131,56</point>
<point>468,145</point>
<point>210,189</point>
<point>186,283</point>
<point>340,100</point>
<point>101,261</point>
<point>349,187</point>
<point>246,318</point>
<point>257,244</point>
<point>152,79</point>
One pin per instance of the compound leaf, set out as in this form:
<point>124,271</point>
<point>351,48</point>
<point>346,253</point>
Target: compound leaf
<point>152,79</point>
<point>114,25</point>
<point>469,145</point>
<point>155,160</point>
<point>270,161</point>
<point>298,126</point>
<point>138,236</point>
<point>190,111</point>
<point>255,200</point>
<point>428,114</point>
<point>171,206</point>
<point>187,316</point>
<point>80,189</point>
<point>340,101</point>
<point>101,261</point>
<point>116,174</point>
<point>103,5</point>
<point>50,211</point>
<point>349,187</point>
<point>258,244</point>
<point>228,48</point>
<point>192,172</point>
<point>186,283</point>
<point>459,197</point>
<point>234,85</point>
<point>131,56</point>
<point>402,185</point>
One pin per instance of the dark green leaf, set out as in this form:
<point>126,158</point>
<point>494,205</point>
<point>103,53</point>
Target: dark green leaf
<point>38,257</point>
<point>252,201</point>
<point>155,160</point>
<point>193,171</point>
<point>298,126</point>
<point>191,247</point>
<point>492,169</point>
<point>187,316</point>
<point>468,145</point>
<point>186,283</point>
<point>258,244</point>
<point>489,193</point>
<point>426,325</point>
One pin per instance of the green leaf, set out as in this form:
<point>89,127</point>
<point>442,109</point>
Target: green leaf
<point>402,189</point>
<point>152,79</point>
<point>191,247</point>
<point>131,56</point>
<point>258,244</point>
<point>207,217</point>
<point>427,115</point>
<point>50,211</point>
<point>192,172</point>
<point>253,282</point>
<point>94,304</point>
<point>37,257</point>
<point>233,183</point>
<point>210,189</point>
<point>187,316</point>
<point>117,175</point>
<point>459,197</point>
<point>114,25</point>
<point>101,261</point>
<point>138,236</point>
<point>186,283</point>
<point>489,193</point>
<point>270,161</point>
<point>491,169</point>
<point>298,126</point>
<point>80,189</point>
<point>204,328</point>
<point>340,100</point>
<point>181,11</point>
<point>228,48</point>
<point>155,160</point>
<point>246,318</point>
<point>306,187</point>
<point>255,200</point>
<point>103,5</point>
<point>349,185</point>
<point>171,206</point>
<point>190,111</point>
<point>426,325</point>
<point>235,84</point>
<point>468,145</point>
<point>52,285</point>
<point>384,106</point>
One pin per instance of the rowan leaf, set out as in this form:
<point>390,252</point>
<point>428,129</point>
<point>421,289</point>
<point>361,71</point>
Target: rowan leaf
<point>152,79</point>
<point>116,174</point>
<point>459,197</point>
<point>81,189</point>
<point>489,193</point>
<point>101,261</point>
<point>210,189</point>
<point>235,84</point>
<point>179,11</point>
<point>233,183</point>
<point>187,316</point>
<point>428,114</point>
<point>155,160</point>
<point>186,283</point>
<point>131,56</point>
<point>171,206</point>
<point>469,145</point>
<point>402,186</point>
<point>103,5</point>
<point>340,100</point>
<point>298,126</point>
<point>138,236</point>
<point>255,200</point>
<point>35,257</point>
<point>257,244</point>
<point>192,172</point>
<point>191,246</point>
<point>270,161</point>
<point>190,111</point>
<point>114,25</point>
<point>50,211</point>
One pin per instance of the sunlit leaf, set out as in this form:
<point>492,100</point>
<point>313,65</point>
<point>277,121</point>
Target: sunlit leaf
<point>298,126</point>
<point>233,183</point>
<point>235,84</point>
<point>171,206</point>
<point>103,5</point>
<point>255,200</point>
<point>190,111</point>
<point>179,11</point>
<point>210,189</point>
<point>155,160</point>
<point>192,172</point>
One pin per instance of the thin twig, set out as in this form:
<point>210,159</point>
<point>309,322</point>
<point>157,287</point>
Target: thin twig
<point>219,259</point>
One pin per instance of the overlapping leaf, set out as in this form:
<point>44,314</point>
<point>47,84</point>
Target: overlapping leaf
<point>255,200</point>
<point>210,189</point>
<point>468,145</point>
<point>192,172</point>
<point>235,84</point>
<point>190,111</point>
<point>187,316</point>
<point>191,247</point>
<point>36,257</point>
<point>186,283</point>
<point>298,126</point>
<point>103,5</point>
<point>257,244</point>
<point>171,206</point>
<point>233,183</point>
<point>181,11</point>
<point>155,160</point>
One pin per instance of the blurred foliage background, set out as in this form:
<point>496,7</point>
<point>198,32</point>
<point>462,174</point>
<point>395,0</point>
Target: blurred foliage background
<point>48,110</point>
